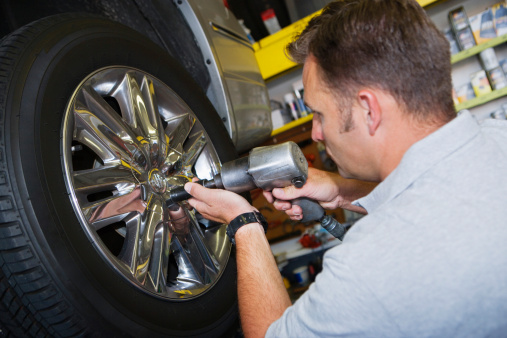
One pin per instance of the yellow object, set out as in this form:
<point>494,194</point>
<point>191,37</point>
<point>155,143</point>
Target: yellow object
<point>425,3</point>
<point>480,83</point>
<point>270,51</point>
<point>495,94</point>
<point>292,124</point>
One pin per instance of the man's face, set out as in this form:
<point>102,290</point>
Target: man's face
<point>339,127</point>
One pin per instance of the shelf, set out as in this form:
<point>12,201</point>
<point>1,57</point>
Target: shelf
<point>482,99</point>
<point>477,49</point>
<point>292,124</point>
<point>465,105</point>
<point>270,51</point>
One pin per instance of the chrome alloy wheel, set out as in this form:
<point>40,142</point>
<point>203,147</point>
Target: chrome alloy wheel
<point>128,139</point>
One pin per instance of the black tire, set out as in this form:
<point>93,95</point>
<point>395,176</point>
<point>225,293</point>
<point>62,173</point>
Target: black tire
<point>53,279</point>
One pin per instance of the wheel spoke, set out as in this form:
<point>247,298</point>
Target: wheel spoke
<point>153,217</point>
<point>128,254</point>
<point>157,136</point>
<point>159,261</point>
<point>196,264</point>
<point>180,127</point>
<point>107,115</point>
<point>198,142</point>
<point>98,212</point>
<point>104,178</point>
<point>120,132</point>
<point>89,135</point>
<point>178,130</point>
<point>96,135</point>
<point>139,108</point>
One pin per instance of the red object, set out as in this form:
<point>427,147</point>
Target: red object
<point>268,14</point>
<point>226,4</point>
<point>309,241</point>
<point>310,158</point>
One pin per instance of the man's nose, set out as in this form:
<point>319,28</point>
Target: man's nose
<point>316,131</point>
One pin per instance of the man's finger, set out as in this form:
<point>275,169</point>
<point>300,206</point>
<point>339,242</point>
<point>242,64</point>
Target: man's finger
<point>196,190</point>
<point>268,196</point>
<point>282,205</point>
<point>295,211</point>
<point>195,203</point>
<point>287,193</point>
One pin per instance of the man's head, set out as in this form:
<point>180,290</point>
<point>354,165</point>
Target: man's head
<point>390,45</point>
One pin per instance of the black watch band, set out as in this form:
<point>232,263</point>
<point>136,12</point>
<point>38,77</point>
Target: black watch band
<point>246,218</point>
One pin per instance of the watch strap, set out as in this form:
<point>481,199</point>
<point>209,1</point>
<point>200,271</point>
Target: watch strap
<point>246,218</point>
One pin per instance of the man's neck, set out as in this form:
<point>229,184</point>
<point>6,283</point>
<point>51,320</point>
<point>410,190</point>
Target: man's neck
<point>403,134</point>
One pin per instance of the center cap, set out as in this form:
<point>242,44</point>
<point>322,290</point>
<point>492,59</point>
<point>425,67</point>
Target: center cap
<point>157,181</point>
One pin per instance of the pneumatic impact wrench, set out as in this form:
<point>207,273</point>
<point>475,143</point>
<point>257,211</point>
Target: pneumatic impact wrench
<point>267,168</point>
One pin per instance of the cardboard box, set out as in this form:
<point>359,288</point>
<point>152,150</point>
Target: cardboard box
<point>497,78</point>
<point>466,38</point>
<point>483,26</point>
<point>449,35</point>
<point>480,83</point>
<point>465,92</point>
<point>458,19</point>
<point>503,64</point>
<point>488,59</point>
<point>461,27</point>
<point>500,18</point>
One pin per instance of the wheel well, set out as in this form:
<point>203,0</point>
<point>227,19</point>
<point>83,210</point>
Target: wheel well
<point>158,20</point>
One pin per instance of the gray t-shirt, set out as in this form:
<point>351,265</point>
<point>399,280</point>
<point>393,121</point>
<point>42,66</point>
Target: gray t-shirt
<point>430,258</point>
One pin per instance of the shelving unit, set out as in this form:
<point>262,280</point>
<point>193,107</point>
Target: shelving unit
<point>292,124</point>
<point>465,54</point>
<point>275,66</point>
<point>482,99</point>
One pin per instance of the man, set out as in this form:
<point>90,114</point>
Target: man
<point>430,258</point>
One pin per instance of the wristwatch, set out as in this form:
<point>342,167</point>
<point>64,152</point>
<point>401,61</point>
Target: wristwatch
<point>246,218</point>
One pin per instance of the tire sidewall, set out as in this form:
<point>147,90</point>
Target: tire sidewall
<point>55,64</point>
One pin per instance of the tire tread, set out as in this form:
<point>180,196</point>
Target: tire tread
<point>30,305</point>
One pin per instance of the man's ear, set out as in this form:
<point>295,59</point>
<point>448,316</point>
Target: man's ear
<point>369,102</point>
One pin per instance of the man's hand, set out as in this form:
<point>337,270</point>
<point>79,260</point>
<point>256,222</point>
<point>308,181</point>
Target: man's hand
<point>329,189</point>
<point>216,204</point>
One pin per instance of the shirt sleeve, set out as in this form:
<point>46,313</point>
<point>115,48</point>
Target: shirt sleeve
<point>335,304</point>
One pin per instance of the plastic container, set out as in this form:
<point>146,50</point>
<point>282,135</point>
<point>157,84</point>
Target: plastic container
<point>301,275</point>
<point>290,101</point>
<point>489,59</point>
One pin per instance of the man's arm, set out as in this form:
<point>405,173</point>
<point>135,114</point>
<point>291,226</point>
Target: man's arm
<point>261,293</point>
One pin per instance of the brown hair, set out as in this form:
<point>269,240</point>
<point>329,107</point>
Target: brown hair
<point>387,44</point>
